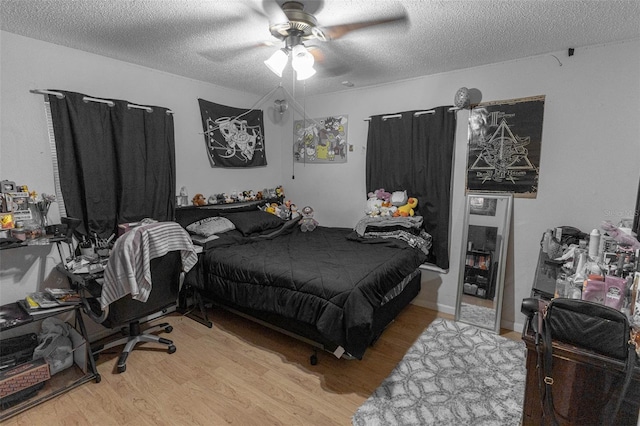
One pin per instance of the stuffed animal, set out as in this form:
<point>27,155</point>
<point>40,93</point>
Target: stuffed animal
<point>307,223</point>
<point>373,205</point>
<point>407,209</point>
<point>383,195</point>
<point>399,198</point>
<point>199,200</point>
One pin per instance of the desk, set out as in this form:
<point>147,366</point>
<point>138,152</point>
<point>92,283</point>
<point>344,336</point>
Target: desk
<point>580,377</point>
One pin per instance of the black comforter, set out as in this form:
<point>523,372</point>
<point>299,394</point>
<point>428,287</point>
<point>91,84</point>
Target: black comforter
<point>330,277</point>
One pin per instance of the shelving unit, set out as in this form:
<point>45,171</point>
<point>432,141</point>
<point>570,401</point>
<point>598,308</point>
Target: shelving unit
<point>478,274</point>
<point>65,380</point>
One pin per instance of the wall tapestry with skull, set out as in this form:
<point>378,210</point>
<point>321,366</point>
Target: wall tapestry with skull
<point>234,137</point>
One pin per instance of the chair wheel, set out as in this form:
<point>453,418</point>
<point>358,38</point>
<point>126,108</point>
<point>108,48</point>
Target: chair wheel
<point>168,329</point>
<point>313,359</point>
<point>122,369</point>
<point>172,349</point>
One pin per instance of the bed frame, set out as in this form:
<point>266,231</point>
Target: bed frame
<point>194,286</point>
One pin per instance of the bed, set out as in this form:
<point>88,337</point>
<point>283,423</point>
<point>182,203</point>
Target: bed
<point>337,288</point>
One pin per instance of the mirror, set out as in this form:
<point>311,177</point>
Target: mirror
<point>485,237</point>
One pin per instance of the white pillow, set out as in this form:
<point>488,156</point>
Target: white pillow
<point>211,226</point>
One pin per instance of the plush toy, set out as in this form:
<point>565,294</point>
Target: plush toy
<point>388,210</point>
<point>249,195</point>
<point>399,198</point>
<point>407,209</point>
<point>307,223</point>
<point>271,208</point>
<point>383,195</point>
<point>373,205</point>
<point>199,200</point>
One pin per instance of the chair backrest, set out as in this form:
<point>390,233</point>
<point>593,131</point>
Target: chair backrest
<point>165,282</point>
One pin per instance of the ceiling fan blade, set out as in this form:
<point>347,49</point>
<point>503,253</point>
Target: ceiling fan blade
<point>229,53</point>
<point>334,32</point>
<point>328,64</point>
<point>273,11</point>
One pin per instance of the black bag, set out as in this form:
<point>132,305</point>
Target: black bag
<point>588,325</point>
<point>16,350</point>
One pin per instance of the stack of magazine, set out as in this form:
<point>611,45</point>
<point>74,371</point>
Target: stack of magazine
<point>50,300</point>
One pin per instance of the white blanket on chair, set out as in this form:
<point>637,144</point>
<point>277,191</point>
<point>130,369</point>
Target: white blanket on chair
<point>128,270</point>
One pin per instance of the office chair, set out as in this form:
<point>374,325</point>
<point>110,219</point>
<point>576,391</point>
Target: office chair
<point>127,312</point>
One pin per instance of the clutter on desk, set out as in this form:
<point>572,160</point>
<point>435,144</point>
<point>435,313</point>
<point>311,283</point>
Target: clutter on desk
<point>64,296</point>
<point>601,266</point>
<point>24,215</point>
<point>41,300</point>
<point>86,264</point>
<point>12,315</point>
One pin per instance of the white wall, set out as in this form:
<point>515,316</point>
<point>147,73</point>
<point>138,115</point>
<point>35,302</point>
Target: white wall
<point>589,164</point>
<point>24,146</point>
<point>588,168</point>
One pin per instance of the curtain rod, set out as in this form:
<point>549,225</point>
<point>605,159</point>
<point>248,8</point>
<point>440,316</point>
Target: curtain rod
<point>88,99</point>
<point>415,114</point>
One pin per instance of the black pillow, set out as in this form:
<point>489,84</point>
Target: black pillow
<point>252,222</point>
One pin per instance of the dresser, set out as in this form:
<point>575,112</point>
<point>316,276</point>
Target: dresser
<point>582,380</point>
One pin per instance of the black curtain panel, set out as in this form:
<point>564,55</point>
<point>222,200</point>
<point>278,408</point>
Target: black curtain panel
<point>116,164</point>
<point>414,152</point>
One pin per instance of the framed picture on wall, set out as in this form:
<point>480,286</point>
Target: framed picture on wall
<point>504,147</point>
<point>321,140</point>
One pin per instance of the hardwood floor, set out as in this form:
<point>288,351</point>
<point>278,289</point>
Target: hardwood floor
<point>237,372</point>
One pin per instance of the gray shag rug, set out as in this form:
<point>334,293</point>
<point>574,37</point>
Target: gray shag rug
<point>454,374</point>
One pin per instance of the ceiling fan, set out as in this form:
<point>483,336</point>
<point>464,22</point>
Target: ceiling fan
<point>294,23</point>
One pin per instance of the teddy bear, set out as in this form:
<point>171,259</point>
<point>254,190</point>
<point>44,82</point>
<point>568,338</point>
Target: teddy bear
<point>373,205</point>
<point>199,200</point>
<point>307,222</point>
<point>383,195</point>
<point>407,209</point>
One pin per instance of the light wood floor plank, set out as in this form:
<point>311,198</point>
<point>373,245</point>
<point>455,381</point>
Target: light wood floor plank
<point>237,372</point>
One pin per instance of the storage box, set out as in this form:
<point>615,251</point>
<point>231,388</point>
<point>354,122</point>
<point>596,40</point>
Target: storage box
<point>23,376</point>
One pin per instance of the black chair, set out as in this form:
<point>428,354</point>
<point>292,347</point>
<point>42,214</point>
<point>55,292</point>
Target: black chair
<point>127,312</point>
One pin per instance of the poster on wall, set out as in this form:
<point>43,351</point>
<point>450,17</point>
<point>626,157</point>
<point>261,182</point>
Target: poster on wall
<point>504,146</point>
<point>321,140</point>
<point>234,137</point>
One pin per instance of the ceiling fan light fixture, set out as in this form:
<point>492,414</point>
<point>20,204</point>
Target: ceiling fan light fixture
<point>304,73</point>
<point>277,62</point>
<point>301,58</point>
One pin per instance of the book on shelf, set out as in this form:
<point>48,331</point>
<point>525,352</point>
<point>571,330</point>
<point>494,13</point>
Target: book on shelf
<point>34,312</point>
<point>64,296</point>
<point>40,300</point>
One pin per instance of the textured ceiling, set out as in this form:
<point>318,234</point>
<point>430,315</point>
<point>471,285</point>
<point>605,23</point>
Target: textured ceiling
<point>222,41</point>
